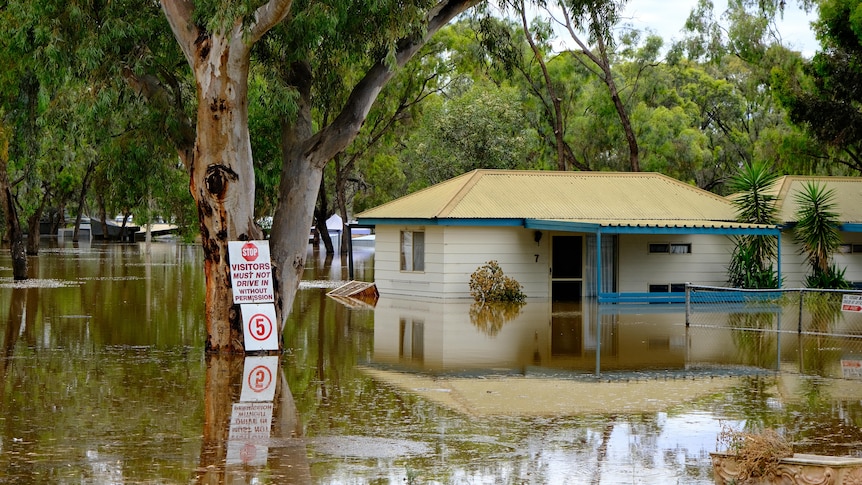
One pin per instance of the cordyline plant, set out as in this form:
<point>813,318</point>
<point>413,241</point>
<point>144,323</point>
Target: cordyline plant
<point>817,233</point>
<point>751,262</point>
<point>488,283</point>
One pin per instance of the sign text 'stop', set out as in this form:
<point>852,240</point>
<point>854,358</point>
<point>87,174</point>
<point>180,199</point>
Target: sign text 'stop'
<point>250,251</point>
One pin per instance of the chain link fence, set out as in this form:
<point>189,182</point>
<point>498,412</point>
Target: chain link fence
<point>800,310</point>
<point>818,325</point>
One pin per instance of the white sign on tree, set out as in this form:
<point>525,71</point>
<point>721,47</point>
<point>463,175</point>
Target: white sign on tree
<point>251,278</point>
<point>259,327</point>
<point>251,271</point>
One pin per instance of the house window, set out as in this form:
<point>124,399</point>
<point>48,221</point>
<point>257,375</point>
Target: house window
<point>850,249</point>
<point>412,251</point>
<point>665,288</point>
<point>670,248</point>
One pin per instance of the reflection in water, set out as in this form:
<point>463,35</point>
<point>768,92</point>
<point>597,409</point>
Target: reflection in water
<point>491,316</point>
<point>533,338</point>
<point>105,381</point>
<point>251,426</point>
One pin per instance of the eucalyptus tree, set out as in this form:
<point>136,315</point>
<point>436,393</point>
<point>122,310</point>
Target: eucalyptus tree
<point>827,101</point>
<point>522,55</point>
<point>217,40</point>
<point>10,213</point>
<point>737,69</point>
<point>387,36</point>
<point>398,109</point>
<point>479,128</point>
<point>590,25</point>
<point>34,70</point>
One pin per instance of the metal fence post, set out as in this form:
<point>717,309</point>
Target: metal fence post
<point>687,304</point>
<point>801,299</point>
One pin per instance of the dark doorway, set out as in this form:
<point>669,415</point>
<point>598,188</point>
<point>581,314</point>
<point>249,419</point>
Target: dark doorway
<point>567,270</point>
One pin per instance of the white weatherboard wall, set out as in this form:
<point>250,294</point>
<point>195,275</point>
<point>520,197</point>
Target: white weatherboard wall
<point>705,265</point>
<point>453,253</point>
<point>795,267</point>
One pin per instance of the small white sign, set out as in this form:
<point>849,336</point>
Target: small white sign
<point>248,437</point>
<point>251,271</point>
<point>259,327</point>
<point>259,379</point>
<point>851,368</point>
<point>851,303</point>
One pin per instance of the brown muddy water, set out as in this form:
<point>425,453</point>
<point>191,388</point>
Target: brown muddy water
<point>105,382</point>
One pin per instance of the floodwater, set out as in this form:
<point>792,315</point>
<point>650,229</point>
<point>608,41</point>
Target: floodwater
<point>105,382</point>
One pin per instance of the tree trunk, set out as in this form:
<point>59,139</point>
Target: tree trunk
<point>608,78</point>
<point>602,62</point>
<point>556,111</point>
<point>341,175</point>
<point>222,172</point>
<point>33,235</point>
<point>13,225</point>
<point>81,198</point>
<point>304,154</point>
<point>222,184</point>
<point>321,216</point>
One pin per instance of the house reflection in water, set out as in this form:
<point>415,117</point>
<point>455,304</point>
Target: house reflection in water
<point>445,336</point>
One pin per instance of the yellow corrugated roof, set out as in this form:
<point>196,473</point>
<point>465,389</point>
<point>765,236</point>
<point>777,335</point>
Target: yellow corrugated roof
<point>847,198</point>
<point>597,197</point>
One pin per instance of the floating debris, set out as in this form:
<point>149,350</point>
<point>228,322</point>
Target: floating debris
<point>310,284</point>
<point>36,283</point>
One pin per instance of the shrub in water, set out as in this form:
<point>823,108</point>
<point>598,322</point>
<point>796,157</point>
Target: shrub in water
<point>488,283</point>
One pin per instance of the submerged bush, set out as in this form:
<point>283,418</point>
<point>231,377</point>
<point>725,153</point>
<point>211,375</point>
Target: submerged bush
<point>488,283</point>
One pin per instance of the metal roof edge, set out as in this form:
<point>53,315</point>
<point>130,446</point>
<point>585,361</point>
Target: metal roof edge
<point>441,221</point>
<point>564,226</point>
<point>850,227</point>
<point>727,231</point>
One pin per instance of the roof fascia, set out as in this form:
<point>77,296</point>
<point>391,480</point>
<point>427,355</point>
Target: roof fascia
<point>583,227</point>
<point>727,231</point>
<point>562,226</point>
<point>850,227</point>
<point>442,222</point>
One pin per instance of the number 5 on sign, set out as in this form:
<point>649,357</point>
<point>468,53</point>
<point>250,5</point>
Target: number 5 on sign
<point>259,327</point>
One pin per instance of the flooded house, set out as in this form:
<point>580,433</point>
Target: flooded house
<point>564,236</point>
<point>847,199</point>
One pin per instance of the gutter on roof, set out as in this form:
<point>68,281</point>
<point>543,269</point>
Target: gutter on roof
<point>728,228</point>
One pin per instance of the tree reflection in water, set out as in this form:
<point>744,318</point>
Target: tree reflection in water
<point>285,459</point>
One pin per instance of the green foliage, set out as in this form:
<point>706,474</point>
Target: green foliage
<point>751,264</point>
<point>746,270</point>
<point>832,277</point>
<point>816,228</point>
<point>825,97</point>
<point>489,284</point>
<point>481,128</point>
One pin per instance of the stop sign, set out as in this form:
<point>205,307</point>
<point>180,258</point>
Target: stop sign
<point>249,251</point>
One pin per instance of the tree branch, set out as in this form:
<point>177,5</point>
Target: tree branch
<point>267,17</point>
<point>179,15</point>
<point>324,145</point>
